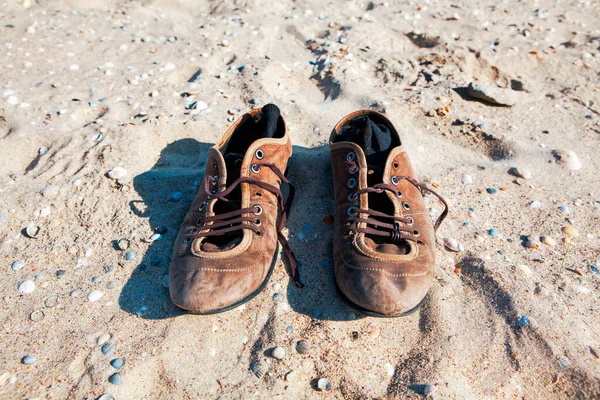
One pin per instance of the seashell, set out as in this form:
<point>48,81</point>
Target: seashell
<point>451,244</point>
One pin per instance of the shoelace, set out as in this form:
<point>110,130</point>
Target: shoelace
<point>235,220</point>
<point>394,231</point>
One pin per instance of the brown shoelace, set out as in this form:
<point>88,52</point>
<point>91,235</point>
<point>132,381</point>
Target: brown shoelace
<point>239,219</point>
<point>392,229</point>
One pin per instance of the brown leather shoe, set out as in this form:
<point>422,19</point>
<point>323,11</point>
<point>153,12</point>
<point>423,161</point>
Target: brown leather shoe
<point>227,244</point>
<point>384,239</point>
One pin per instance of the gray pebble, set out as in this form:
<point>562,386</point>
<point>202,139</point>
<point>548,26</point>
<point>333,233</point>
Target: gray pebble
<point>108,348</point>
<point>324,385</point>
<point>17,265</point>
<point>175,197</point>
<point>28,360</point>
<point>75,293</point>
<point>302,347</point>
<point>117,363</point>
<point>115,379</point>
<point>109,269</point>
<point>32,230</point>
<point>60,272</point>
<point>123,244</point>
<point>428,389</point>
<point>522,173</point>
<point>37,316</point>
<point>130,255</point>
<point>491,94</point>
<point>278,297</point>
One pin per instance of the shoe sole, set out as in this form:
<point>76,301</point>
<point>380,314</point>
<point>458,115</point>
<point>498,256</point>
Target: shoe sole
<point>247,298</point>
<point>376,314</point>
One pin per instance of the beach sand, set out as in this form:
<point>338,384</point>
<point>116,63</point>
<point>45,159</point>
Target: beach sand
<point>149,86</point>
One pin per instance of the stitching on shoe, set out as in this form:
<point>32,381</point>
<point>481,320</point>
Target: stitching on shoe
<point>180,266</point>
<point>379,269</point>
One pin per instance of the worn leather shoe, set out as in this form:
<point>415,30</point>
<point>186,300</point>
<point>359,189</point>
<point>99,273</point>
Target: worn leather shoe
<point>228,242</point>
<point>384,238</point>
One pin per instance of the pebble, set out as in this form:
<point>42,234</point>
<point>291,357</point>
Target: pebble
<point>117,363</point>
<point>51,301</point>
<point>110,285</point>
<point>568,158</point>
<point>466,178</point>
<point>524,269</point>
<point>32,230</point>
<point>26,287</point>
<point>117,173</point>
<point>491,94</point>
<point>429,389</point>
<point>175,197</point>
<point>106,396</point>
<point>108,348</point>
<point>278,353</point>
<point>123,244</point>
<point>491,190</point>
<point>165,281</point>
<point>105,337</point>
<point>302,347</point>
<point>570,230</point>
<point>532,243</point>
<point>389,369</point>
<point>523,321</point>
<point>452,244</point>
<point>155,237</point>
<point>49,191</point>
<point>595,352</point>
<point>522,173</point>
<point>75,293</point>
<point>130,255</point>
<point>17,265</point>
<point>115,379</point>
<point>494,233</point>
<point>95,295</point>
<point>37,316</point>
<point>278,297</point>
<point>324,385</point>
<point>289,329</point>
<point>109,269</point>
<point>563,209</point>
<point>548,241</point>
<point>29,360</point>
<point>535,204</point>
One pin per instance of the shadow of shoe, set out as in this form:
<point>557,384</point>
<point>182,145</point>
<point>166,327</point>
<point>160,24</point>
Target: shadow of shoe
<point>179,169</point>
<point>311,231</point>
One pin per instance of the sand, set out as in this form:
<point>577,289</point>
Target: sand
<point>89,86</point>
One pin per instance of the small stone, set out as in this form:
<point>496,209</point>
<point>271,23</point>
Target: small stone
<point>155,237</point>
<point>570,230</point>
<point>108,348</point>
<point>278,353</point>
<point>491,190</point>
<point>49,191</point>
<point>117,363</point>
<point>451,244</point>
<point>105,337</point>
<point>95,295</point>
<point>175,197</point>
<point>123,244</point>
<point>110,285</point>
<point>278,297</point>
<point>494,233</point>
<point>117,173</point>
<point>17,265</point>
<point>324,385</point>
<point>429,389</point>
<point>523,321</point>
<point>32,230</point>
<point>60,273</point>
<point>115,379</point>
<point>535,204</point>
<point>524,269</point>
<point>490,94</point>
<point>75,293</point>
<point>130,255</point>
<point>548,241</point>
<point>26,287</point>
<point>302,347</point>
<point>51,301</point>
<point>29,360</point>
<point>165,281</point>
<point>563,209</point>
<point>532,243</point>
<point>37,316</point>
<point>595,352</point>
<point>289,329</point>
<point>522,173</point>
<point>109,269</point>
<point>233,111</point>
<point>567,158</point>
<point>466,178</point>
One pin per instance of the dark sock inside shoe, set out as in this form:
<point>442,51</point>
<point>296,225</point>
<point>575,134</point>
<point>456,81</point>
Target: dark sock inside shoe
<point>376,140</point>
<point>267,124</point>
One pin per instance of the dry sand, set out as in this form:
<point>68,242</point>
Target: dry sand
<point>70,70</point>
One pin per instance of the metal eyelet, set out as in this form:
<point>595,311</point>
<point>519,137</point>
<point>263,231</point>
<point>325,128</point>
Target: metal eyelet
<point>193,231</point>
<point>257,222</point>
<point>255,168</point>
<point>202,207</point>
<point>398,194</point>
<point>187,240</point>
<point>199,221</point>
<point>259,154</point>
<point>406,205</point>
<point>351,156</point>
<point>353,170</point>
<point>351,183</point>
<point>416,233</point>
<point>352,196</point>
<point>215,180</point>
<point>259,233</point>
<point>412,221</point>
<point>259,208</point>
<point>394,180</point>
<point>351,211</point>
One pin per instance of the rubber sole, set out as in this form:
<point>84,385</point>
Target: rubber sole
<point>247,298</point>
<point>376,314</point>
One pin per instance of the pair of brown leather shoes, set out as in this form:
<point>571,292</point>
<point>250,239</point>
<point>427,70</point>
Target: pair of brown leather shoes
<point>384,238</point>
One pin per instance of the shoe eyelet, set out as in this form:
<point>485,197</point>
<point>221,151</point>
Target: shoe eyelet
<point>394,180</point>
<point>193,231</point>
<point>411,221</point>
<point>406,205</point>
<point>416,233</point>
<point>259,209</point>
<point>202,207</point>
<point>187,240</point>
<point>215,180</point>
<point>255,168</point>
<point>352,196</point>
<point>259,233</point>
<point>351,183</point>
<point>199,221</point>
<point>257,222</point>
<point>351,211</point>
<point>353,170</point>
<point>398,194</point>
<point>351,156</point>
<point>259,154</point>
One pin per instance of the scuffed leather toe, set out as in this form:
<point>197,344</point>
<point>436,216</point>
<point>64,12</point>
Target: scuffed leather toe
<point>383,293</point>
<point>207,289</point>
